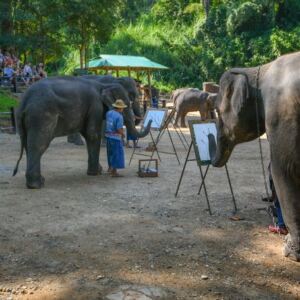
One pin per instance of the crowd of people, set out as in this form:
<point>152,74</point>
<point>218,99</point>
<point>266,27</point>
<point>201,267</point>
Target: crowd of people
<point>12,70</point>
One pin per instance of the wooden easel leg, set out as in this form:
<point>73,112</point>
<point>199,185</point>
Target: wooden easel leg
<point>184,166</point>
<point>131,157</point>
<point>180,138</point>
<point>173,145</point>
<point>205,191</point>
<point>202,181</point>
<point>231,189</point>
<point>155,147</point>
<point>183,136</point>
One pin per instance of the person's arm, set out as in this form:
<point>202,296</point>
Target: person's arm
<point>119,126</point>
<point>121,132</point>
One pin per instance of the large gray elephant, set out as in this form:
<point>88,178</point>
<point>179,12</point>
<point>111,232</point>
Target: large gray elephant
<point>61,106</point>
<point>129,85</point>
<point>275,87</point>
<point>189,100</point>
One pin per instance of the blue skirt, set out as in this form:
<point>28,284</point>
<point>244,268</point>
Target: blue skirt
<point>115,154</point>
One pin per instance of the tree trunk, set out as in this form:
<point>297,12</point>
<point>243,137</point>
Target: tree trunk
<point>81,51</point>
<point>206,4</point>
<point>86,56</point>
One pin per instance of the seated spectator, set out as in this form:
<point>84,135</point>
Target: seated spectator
<point>16,61</point>
<point>27,73</point>
<point>41,71</point>
<point>8,72</point>
<point>8,61</point>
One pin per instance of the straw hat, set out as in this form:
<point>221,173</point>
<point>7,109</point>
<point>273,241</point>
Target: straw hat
<point>119,104</point>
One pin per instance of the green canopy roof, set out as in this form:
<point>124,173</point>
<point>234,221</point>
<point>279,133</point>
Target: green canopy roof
<point>124,62</point>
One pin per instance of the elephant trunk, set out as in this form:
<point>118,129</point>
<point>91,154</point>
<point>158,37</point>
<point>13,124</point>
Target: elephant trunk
<point>134,132</point>
<point>137,112</point>
<point>220,151</point>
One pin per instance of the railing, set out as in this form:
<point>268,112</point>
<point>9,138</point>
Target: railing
<point>15,82</point>
<point>8,121</point>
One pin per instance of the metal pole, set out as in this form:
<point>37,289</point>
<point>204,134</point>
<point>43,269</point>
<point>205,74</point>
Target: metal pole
<point>155,148</point>
<point>202,181</point>
<point>180,138</point>
<point>205,191</point>
<point>184,166</point>
<point>13,120</point>
<point>173,145</point>
<point>132,155</point>
<point>231,190</point>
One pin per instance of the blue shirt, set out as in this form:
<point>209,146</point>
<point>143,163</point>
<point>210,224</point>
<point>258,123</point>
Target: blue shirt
<point>114,121</point>
<point>9,72</point>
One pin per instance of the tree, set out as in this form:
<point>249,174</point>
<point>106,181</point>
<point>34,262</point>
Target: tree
<point>206,4</point>
<point>85,21</point>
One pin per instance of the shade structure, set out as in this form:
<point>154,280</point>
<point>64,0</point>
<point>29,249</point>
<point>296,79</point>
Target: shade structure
<point>124,62</point>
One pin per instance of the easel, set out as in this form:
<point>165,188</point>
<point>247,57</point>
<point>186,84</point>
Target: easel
<point>178,130</point>
<point>203,176</point>
<point>164,128</point>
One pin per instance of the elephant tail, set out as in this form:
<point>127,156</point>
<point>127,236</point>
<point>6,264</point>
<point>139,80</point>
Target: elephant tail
<point>22,133</point>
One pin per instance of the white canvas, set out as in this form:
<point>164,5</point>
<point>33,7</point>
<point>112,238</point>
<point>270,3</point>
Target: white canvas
<point>157,117</point>
<point>201,134</point>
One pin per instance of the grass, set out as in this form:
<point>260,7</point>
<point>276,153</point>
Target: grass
<point>6,101</point>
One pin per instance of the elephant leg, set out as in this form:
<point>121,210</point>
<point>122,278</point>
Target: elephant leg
<point>92,135</point>
<point>182,118</point>
<point>288,191</point>
<point>203,115</point>
<point>93,148</point>
<point>177,118</point>
<point>76,139</point>
<point>35,148</point>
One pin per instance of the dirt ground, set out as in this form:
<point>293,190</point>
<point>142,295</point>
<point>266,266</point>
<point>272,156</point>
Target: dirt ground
<point>84,237</point>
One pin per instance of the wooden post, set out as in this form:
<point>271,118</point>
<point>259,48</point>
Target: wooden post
<point>138,75</point>
<point>150,89</point>
<point>13,119</point>
<point>106,71</point>
<point>118,74</point>
<point>129,73</point>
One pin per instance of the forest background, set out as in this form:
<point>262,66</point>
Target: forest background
<point>197,40</point>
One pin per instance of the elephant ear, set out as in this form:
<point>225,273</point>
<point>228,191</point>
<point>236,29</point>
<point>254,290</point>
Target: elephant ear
<point>240,93</point>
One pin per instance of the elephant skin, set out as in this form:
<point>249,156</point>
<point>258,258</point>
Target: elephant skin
<point>277,114</point>
<point>61,106</point>
<point>128,83</point>
<point>190,100</point>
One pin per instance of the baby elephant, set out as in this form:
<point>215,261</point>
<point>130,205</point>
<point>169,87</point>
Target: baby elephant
<point>189,100</point>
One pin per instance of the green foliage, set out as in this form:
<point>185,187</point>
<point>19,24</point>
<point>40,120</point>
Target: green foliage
<point>6,101</point>
<point>198,40</point>
<point>235,33</point>
<point>250,17</point>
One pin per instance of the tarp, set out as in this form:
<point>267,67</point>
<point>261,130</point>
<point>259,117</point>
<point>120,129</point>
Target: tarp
<point>124,62</point>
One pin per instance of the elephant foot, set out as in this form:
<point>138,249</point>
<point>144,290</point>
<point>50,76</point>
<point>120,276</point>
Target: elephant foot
<point>35,183</point>
<point>290,250</point>
<point>75,139</point>
<point>92,172</point>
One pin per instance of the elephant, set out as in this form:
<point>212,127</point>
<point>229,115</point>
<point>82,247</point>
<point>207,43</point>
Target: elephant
<point>176,93</point>
<point>129,85</point>
<point>262,99</point>
<point>60,106</point>
<point>190,100</point>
